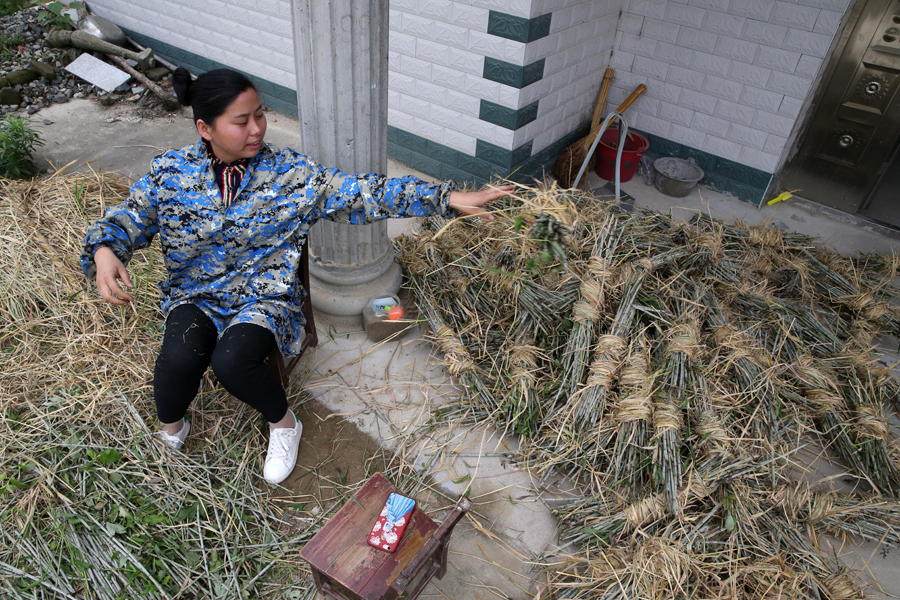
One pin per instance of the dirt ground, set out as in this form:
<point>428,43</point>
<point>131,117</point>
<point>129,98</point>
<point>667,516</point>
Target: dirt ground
<point>335,458</point>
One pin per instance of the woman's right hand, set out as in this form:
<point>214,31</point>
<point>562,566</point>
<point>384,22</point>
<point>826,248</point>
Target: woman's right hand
<point>109,271</point>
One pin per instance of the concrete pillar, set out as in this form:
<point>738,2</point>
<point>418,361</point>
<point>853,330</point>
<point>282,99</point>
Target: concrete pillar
<point>341,50</point>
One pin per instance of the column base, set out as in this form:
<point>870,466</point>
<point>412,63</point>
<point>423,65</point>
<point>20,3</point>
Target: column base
<point>349,300</point>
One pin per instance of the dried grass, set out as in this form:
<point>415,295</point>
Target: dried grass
<point>672,371</point>
<point>91,504</point>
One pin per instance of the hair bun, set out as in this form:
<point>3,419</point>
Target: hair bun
<point>181,81</point>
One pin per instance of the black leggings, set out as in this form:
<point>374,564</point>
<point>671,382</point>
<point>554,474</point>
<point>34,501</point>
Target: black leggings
<point>238,360</point>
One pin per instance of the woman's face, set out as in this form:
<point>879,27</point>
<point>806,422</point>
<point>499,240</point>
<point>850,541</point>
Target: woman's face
<point>238,132</point>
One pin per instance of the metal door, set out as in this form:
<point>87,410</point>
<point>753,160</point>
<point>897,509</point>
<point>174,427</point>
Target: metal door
<point>854,130</point>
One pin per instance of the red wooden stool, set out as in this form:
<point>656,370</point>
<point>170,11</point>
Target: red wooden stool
<point>346,567</point>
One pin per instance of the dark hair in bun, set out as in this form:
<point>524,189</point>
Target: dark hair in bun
<point>211,93</point>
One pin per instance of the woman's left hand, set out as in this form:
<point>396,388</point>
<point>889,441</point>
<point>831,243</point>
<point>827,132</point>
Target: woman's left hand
<point>470,203</point>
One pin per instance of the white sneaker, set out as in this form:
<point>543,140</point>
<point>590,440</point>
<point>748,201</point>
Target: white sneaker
<point>175,442</point>
<point>282,455</point>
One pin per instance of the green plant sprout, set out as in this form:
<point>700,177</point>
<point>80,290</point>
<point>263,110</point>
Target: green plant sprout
<point>54,15</point>
<point>17,142</point>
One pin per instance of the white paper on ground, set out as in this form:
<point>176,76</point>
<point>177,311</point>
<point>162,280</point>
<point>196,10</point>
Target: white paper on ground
<point>97,72</point>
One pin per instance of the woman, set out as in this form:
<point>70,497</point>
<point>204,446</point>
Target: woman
<point>232,215</point>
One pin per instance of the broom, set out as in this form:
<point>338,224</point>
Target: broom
<point>572,156</point>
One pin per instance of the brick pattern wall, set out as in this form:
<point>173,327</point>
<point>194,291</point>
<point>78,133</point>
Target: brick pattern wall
<point>254,36</point>
<point>577,52</point>
<point>503,81</point>
<point>728,77</point>
<point>438,87</point>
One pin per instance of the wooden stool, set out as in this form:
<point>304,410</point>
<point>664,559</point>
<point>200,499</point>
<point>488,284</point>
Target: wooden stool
<point>346,567</point>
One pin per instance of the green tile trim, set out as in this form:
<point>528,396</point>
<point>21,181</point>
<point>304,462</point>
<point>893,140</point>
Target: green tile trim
<point>521,154</point>
<point>492,162</point>
<point>508,159</point>
<point>503,72</point>
<point>506,117</point>
<point>443,154</point>
<point>721,174</point>
<point>511,74</point>
<point>539,27</point>
<point>272,95</point>
<point>493,154</point>
<point>516,28</point>
<point>480,168</point>
<point>533,72</point>
<point>410,141</point>
<point>538,166</point>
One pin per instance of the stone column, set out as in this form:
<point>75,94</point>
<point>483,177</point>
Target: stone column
<point>341,50</point>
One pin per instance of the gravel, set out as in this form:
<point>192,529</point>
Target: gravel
<point>24,28</point>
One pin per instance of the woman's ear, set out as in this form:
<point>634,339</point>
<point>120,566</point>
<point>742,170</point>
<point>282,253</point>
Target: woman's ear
<point>204,130</point>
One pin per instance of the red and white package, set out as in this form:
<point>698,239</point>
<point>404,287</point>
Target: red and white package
<point>391,523</point>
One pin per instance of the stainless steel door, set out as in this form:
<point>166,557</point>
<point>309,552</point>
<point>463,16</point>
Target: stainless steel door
<point>884,203</point>
<point>856,126</point>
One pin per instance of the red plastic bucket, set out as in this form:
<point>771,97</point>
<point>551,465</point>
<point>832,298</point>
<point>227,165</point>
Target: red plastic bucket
<point>635,145</point>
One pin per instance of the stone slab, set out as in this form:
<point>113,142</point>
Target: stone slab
<point>97,72</point>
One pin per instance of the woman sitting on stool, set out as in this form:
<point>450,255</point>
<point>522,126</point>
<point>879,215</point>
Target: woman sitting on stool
<point>232,215</point>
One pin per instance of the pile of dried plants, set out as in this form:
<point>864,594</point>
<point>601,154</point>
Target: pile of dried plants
<point>671,369</point>
<point>91,504</point>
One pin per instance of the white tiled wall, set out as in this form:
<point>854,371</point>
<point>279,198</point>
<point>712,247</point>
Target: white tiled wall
<point>254,36</point>
<point>437,52</point>
<point>725,76</point>
<point>576,55</point>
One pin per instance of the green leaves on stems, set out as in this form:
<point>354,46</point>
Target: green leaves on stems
<point>53,14</point>
<point>17,143</point>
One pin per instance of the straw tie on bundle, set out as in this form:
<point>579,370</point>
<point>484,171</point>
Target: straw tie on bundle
<point>666,455</point>
<point>646,511</point>
<point>871,310</point>
<point>821,507</point>
<point>644,263</point>
<point>588,308</point>
<point>523,406</point>
<point>637,406</point>
<point>736,342</point>
<point>609,352</point>
<point>712,435</point>
<point>763,236</point>
<point>631,417</point>
<point>712,240</point>
<point>683,338</point>
<point>872,422</point>
<point>840,587</point>
<point>793,500</point>
<point>458,358</point>
<point>600,268</point>
<point>824,401</point>
<point>636,368</point>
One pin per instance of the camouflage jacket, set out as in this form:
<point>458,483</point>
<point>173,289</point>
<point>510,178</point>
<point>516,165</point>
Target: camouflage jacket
<point>239,265</point>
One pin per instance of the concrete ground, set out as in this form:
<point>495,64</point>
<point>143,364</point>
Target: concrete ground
<point>388,390</point>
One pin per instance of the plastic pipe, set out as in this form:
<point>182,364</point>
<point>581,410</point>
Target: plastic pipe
<point>623,134</point>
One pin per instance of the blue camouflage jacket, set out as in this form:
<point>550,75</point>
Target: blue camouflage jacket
<point>239,265</point>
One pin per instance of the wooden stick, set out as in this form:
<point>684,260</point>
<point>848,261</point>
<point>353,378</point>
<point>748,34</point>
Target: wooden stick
<point>631,99</point>
<point>169,101</point>
<point>598,110</point>
<point>161,61</point>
